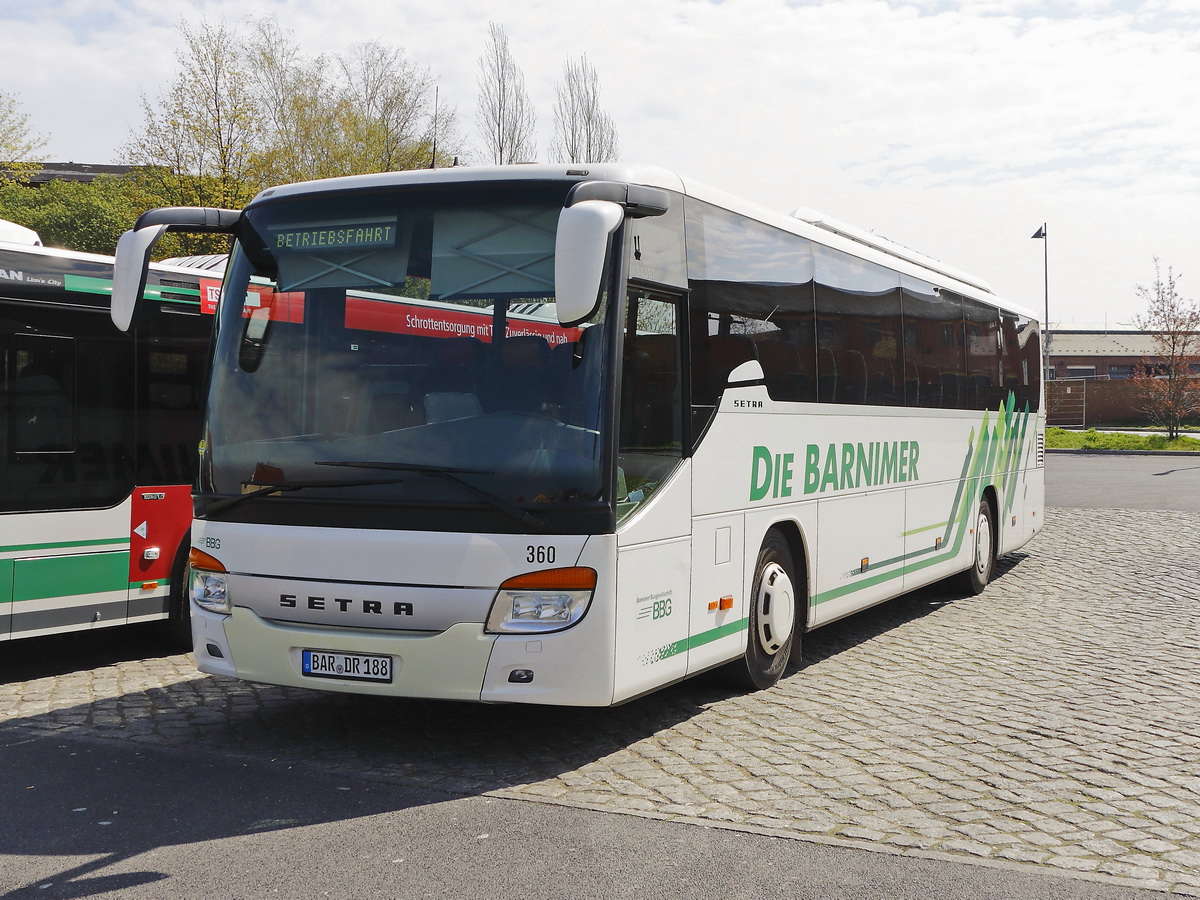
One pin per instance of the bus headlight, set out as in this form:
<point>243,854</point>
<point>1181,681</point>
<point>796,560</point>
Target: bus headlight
<point>209,582</point>
<point>539,602</point>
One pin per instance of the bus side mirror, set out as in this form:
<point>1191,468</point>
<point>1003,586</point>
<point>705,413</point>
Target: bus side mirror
<point>129,272</point>
<point>580,251</point>
<point>133,250</point>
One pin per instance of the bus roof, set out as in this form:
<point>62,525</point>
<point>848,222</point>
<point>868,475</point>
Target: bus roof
<point>805,222</point>
<point>180,264</point>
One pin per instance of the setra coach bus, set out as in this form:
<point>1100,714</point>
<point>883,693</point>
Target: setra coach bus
<point>736,426</point>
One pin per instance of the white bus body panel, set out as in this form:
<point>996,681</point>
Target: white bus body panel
<point>575,667</point>
<point>290,594</point>
<point>885,495</point>
<point>653,588</point>
<point>721,564</point>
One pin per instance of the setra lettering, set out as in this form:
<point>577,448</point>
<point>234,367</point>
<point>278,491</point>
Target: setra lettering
<point>347,605</point>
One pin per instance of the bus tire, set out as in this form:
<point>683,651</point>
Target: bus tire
<point>772,619</point>
<point>177,629</point>
<point>983,555</point>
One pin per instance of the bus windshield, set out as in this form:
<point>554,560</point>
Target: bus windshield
<point>401,348</point>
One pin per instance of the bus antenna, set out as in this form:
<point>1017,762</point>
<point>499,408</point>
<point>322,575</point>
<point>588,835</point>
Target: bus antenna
<point>433,155</point>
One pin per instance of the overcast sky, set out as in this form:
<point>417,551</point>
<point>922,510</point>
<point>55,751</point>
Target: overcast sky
<point>956,127</point>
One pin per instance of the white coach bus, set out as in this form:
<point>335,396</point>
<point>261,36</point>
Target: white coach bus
<point>738,426</point>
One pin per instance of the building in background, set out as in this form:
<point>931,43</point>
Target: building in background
<point>1099,354</point>
<point>72,171</point>
<point>1090,380</point>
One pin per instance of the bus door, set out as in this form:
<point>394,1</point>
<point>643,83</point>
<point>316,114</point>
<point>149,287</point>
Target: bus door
<point>653,500</point>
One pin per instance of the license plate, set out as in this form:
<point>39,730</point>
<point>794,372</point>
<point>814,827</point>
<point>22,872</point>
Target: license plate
<point>348,666</point>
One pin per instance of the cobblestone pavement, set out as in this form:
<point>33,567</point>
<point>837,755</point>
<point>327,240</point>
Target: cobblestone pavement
<point>1054,721</point>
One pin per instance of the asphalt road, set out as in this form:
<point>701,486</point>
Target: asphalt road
<point>1104,480</point>
<point>85,818</point>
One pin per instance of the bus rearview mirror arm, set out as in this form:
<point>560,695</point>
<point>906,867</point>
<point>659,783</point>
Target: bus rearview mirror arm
<point>133,251</point>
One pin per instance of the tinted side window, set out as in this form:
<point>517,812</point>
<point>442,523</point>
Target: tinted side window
<point>984,388</point>
<point>650,442</point>
<point>751,298</point>
<point>66,405</point>
<point>39,394</point>
<point>1021,360</point>
<point>172,357</point>
<point>860,356</point>
<point>935,362</point>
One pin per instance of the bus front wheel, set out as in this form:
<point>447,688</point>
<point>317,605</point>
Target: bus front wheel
<point>772,619</point>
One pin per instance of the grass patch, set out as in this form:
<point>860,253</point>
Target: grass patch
<point>1062,439</point>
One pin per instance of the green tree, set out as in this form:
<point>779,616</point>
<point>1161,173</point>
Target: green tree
<point>385,100</point>
<point>198,140</point>
<point>19,147</point>
<point>295,109</point>
<point>1167,383</point>
<point>74,215</point>
<point>245,113</point>
<point>89,217</point>
<point>370,110</point>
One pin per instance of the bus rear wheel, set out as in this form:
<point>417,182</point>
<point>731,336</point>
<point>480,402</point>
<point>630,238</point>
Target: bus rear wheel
<point>772,619</point>
<point>983,558</point>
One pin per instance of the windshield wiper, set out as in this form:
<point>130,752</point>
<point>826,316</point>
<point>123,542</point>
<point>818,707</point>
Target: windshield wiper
<point>450,474</point>
<point>278,487</point>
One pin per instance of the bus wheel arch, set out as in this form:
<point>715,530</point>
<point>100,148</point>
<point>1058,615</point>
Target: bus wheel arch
<point>800,574</point>
<point>177,629</point>
<point>777,610</point>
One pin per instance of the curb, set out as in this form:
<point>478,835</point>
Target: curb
<point>1099,452</point>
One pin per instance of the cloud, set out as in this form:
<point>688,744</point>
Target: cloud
<point>955,127</point>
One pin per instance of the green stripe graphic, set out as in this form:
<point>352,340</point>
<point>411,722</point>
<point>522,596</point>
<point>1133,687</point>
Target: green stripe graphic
<point>67,576</point>
<point>59,545</point>
<point>992,459</point>
<point>696,640</point>
<point>84,285</point>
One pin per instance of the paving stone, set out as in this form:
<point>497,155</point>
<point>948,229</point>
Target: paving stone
<point>1049,720</point>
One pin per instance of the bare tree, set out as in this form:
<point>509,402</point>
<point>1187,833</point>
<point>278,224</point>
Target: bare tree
<point>583,132</point>
<point>18,145</point>
<point>297,116</point>
<point>248,112</point>
<point>504,113</point>
<point>388,99</point>
<point>1168,382</point>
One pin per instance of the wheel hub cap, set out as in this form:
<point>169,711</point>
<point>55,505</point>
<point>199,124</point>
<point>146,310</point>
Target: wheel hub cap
<point>776,604</point>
